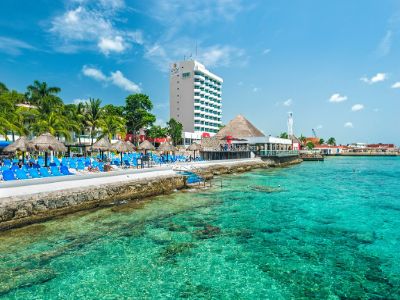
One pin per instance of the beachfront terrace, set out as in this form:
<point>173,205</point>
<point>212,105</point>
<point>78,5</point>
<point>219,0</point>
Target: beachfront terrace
<point>278,153</point>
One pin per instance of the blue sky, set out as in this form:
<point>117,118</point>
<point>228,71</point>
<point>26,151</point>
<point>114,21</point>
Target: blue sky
<point>334,64</point>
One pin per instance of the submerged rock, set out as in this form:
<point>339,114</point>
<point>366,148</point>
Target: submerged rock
<point>209,231</point>
<point>266,189</point>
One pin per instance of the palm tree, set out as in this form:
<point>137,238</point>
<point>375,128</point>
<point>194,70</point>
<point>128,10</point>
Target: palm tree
<point>3,88</point>
<point>8,114</point>
<point>39,90</point>
<point>331,141</point>
<point>284,135</point>
<point>321,141</point>
<point>93,115</point>
<point>112,125</point>
<point>76,113</point>
<point>54,123</point>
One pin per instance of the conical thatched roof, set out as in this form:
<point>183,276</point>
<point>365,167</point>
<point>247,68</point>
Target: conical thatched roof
<point>121,146</point>
<point>45,142</point>
<point>239,127</point>
<point>146,145</point>
<point>60,147</point>
<point>194,147</point>
<point>102,144</point>
<point>166,147</point>
<point>21,144</point>
<point>130,146</point>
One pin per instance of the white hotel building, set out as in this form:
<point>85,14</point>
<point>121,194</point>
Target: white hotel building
<point>195,99</point>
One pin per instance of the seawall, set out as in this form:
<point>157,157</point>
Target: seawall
<point>24,209</point>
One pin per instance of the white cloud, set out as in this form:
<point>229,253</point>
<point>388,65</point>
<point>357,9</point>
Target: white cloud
<point>218,55</point>
<point>255,89</point>
<point>396,85</point>
<point>108,45</point>
<point>288,102</point>
<point>77,101</point>
<point>336,98</point>
<point>118,79</point>
<point>318,127</point>
<point>180,13</point>
<point>112,4</point>
<point>91,26</point>
<point>348,125</point>
<point>357,107</point>
<point>94,73</point>
<point>266,51</point>
<point>13,46</point>
<point>377,78</point>
<point>385,44</point>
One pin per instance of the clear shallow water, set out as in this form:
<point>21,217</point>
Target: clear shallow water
<point>331,231</point>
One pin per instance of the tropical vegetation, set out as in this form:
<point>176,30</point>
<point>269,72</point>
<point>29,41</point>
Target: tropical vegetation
<point>40,109</point>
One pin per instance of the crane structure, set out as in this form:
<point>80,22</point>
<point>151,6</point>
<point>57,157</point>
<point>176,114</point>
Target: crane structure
<point>314,133</point>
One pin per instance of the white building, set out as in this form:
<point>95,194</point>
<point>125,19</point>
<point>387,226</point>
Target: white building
<point>195,98</point>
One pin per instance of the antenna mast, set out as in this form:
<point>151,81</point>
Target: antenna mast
<point>290,125</point>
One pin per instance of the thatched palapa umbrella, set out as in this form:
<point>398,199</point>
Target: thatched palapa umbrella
<point>166,147</point>
<point>130,146</point>
<point>194,147</point>
<point>46,142</point>
<point>121,147</point>
<point>21,144</point>
<point>146,145</point>
<point>102,145</point>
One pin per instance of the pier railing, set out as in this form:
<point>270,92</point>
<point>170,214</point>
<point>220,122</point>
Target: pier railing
<point>279,153</point>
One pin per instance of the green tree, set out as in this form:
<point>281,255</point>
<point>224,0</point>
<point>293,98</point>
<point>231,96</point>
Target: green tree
<point>284,135</point>
<point>302,139</point>
<point>76,113</point>
<point>156,131</point>
<point>3,88</point>
<point>321,141</point>
<point>112,125</point>
<point>331,141</point>
<point>93,114</point>
<point>39,90</point>
<point>310,145</point>
<point>137,113</point>
<point>54,123</point>
<point>175,130</point>
<point>9,117</point>
<point>110,109</point>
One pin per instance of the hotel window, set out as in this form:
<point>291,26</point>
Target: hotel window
<point>185,75</point>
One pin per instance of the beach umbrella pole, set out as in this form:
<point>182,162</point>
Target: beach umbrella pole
<point>45,158</point>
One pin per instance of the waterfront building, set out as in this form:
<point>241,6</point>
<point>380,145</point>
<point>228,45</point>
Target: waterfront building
<point>195,99</point>
<point>330,149</point>
<point>240,132</point>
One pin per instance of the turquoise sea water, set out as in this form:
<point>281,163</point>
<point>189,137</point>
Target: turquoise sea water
<point>330,231</point>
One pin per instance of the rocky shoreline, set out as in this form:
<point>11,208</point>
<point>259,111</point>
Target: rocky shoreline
<point>23,210</point>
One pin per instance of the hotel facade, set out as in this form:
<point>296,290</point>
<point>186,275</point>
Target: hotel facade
<point>195,99</point>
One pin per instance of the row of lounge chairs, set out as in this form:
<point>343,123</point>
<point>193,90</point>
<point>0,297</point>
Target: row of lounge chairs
<point>30,173</point>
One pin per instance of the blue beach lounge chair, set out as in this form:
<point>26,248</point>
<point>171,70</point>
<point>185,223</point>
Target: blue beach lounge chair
<point>44,172</point>
<point>8,175</point>
<point>64,170</point>
<point>55,171</point>
<point>21,174</point>
<point>34,173</point>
